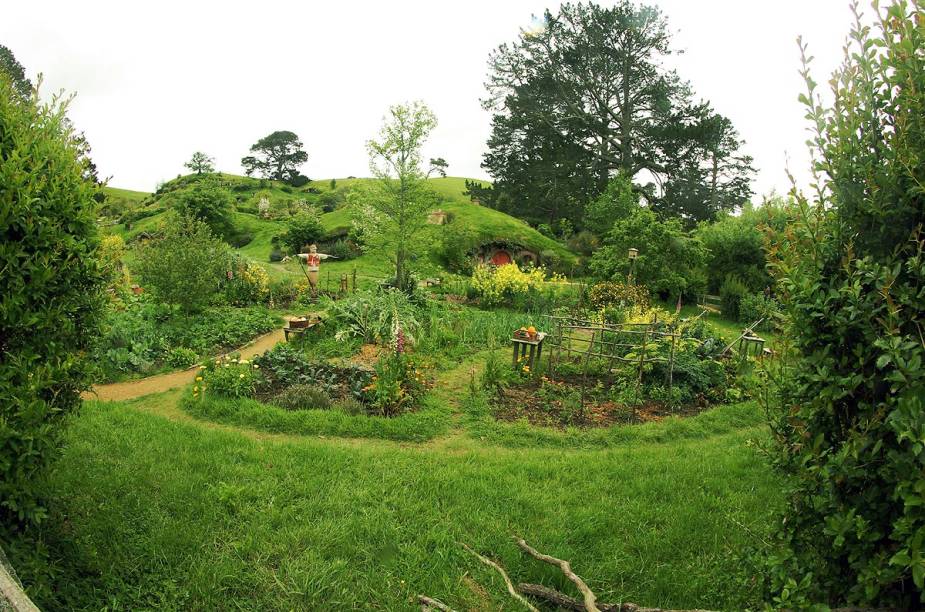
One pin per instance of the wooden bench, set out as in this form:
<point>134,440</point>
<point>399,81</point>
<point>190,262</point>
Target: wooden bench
<point>298,331</point>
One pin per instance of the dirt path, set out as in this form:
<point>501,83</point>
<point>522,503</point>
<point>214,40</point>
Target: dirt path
<point>131,389</point>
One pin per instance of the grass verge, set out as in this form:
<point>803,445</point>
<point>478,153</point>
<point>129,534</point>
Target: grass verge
<point>151,513</point>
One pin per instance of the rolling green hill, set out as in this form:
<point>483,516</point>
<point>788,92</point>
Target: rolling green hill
<point>144,212</point>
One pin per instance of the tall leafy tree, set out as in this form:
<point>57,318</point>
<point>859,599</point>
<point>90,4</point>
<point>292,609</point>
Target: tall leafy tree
<point>22,86</point>
<point>588,96</point>
<point>277,156</point>
<point>200,162</point>
<point>400,197</point>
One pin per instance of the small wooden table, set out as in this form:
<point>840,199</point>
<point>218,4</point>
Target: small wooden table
<point>535,346</point>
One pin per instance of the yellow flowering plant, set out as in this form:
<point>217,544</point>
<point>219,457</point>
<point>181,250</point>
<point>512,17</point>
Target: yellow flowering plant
<point>248,284</point>
<point>229,376</point>
<point>505,284</point>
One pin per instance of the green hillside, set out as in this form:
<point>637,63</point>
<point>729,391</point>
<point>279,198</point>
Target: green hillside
<point>125,194</point>
<point>141,212</point>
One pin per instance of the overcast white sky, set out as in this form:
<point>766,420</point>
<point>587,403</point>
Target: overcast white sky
<point>156,81</point>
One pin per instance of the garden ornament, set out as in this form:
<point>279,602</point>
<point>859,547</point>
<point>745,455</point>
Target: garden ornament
<point>313,263</point>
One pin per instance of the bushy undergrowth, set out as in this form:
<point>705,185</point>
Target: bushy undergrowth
<point>848,414</point>
<point>373,315</point>
<point>145,336</point>
<point>227,376</point>
<point>51,291</point>
<point>508,285</point>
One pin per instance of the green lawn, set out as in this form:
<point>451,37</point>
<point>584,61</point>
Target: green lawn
<point>125,194</point>
<point>157,511</point>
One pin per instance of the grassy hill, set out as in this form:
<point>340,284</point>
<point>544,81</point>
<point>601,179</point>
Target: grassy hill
<point>141,212</point>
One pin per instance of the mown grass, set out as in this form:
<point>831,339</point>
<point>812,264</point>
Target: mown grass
<point>431,420</point>
<point>151,513</point>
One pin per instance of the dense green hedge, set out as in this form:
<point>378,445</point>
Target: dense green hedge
<point>50,291</point>
<point>850,423</point>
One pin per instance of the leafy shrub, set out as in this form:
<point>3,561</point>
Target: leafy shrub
<point>397,385</point>
<point>505,284</point>
<point>374,315</point>
<point>111,253</point>
<point>606,294</point>
<point>551,259</point>
<point>183,264</point>
<point>669,259</point>
<point>757,306</point>
<point>299,180</point>
<point>240,239</point>
<point>302,229</point>
<point>228,377</point>
<point>302,397</point>
<point>736,245</point>
<point>283,292</point>
<point>181,357</point>
<point>331,200</point>
<point>276,255</point>
<point>249,283</point>
<point>730,295</point>
<point>848,411</point>
<point>583,242</point>
<point>206,201</point>
<point>457,242</point>
<point>51,292</point>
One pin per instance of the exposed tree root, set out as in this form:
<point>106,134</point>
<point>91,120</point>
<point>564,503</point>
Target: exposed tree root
<point>428,604</point>
<point>590,600</point>
<point>507,579</point>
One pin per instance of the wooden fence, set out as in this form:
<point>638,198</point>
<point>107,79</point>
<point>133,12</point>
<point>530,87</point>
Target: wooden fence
<point>628,343</point>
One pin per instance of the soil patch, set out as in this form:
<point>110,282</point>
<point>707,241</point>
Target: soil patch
<point>367,356</point>
<point>560,411</point>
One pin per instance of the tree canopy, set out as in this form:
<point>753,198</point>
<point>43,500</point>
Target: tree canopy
<point>400,198</point>
<point>277,156</point>
<point>15,72</point>
<point>200,162</point>
<point>588,96</point>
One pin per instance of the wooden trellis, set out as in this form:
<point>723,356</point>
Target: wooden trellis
<point>611,342</point>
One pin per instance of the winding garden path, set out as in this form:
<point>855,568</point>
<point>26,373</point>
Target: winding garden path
<point>131,389</point>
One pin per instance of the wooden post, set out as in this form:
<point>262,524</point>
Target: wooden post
<point>584,369</point>
<point>354,279</point>
<point>642,359</point>
<point>674,337</point>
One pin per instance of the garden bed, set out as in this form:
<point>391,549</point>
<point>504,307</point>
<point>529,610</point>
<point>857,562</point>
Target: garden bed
<point>563,408</point>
